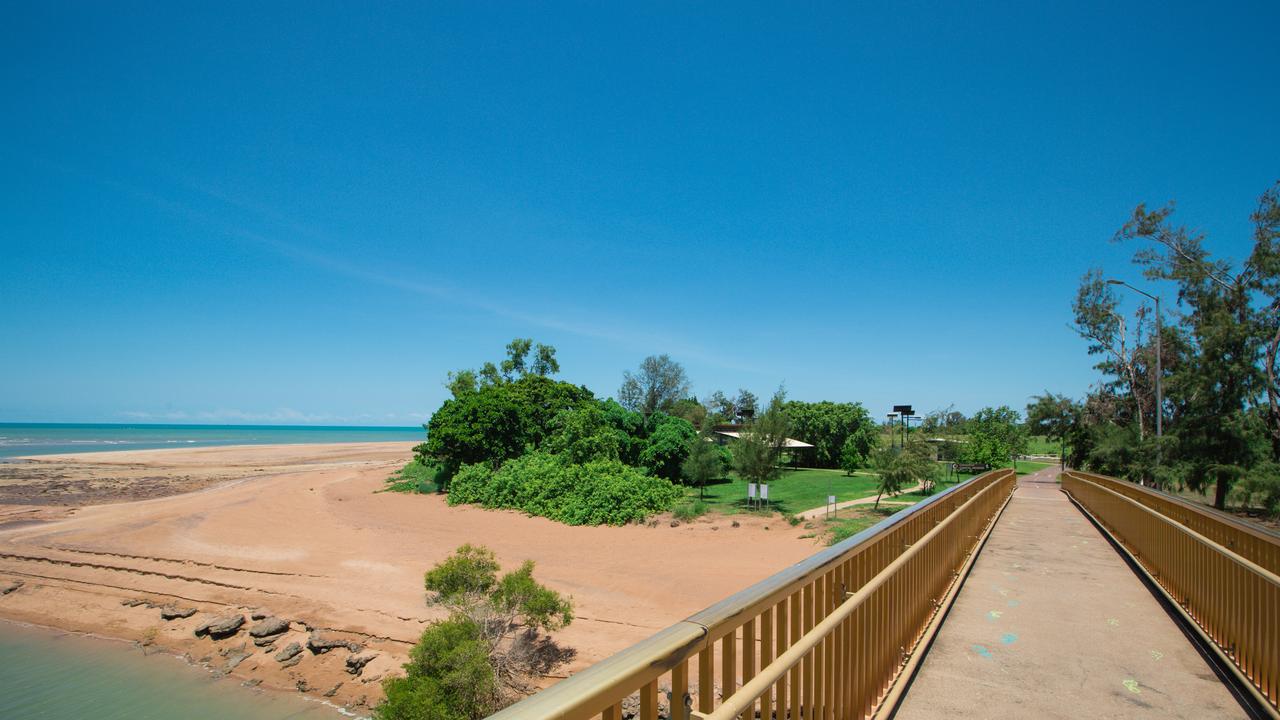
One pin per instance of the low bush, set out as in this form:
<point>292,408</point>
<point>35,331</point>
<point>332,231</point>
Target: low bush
<point>690,510</point>
<point>448,676</point>
<point>601,492</point>
<point>415,477</point>
<point>489,650</point>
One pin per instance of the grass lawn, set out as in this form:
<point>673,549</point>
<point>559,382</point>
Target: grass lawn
<point>1026,467</point>
<point>1041,445</point>
<point>796,491</point>
<point>856,519</point>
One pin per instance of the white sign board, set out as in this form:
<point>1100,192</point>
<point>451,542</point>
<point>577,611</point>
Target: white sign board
<point>831,499</point>
<point>751,491</point>
<point>764,492</point>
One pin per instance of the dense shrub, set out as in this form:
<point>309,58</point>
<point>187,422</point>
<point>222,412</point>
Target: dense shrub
<point>448,676</point>
<point>585,434</point>
<point>539,483</point>
<point>488,650</point>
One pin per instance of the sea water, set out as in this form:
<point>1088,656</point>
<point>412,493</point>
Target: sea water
<point>17,439</point>
<point>55,676</point>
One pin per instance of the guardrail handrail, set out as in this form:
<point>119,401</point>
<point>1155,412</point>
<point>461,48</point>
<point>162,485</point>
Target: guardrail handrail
<point>1233,598</point>
<point>1259,544</point>
<point>749,629</point>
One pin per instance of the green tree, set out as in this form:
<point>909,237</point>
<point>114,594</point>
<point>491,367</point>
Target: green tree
<point>721,407</point>
<point>902,467</point>
<point>667,445</point>
<point>745,406</point>
<point>631,425</point>
<point>518,365</point>
<point>1265,258</point>
<point>852,455</point>
<point>759,447</point>
<point>462,382</point>
<point>483,426</point>
<point>498,422</point>
<point>828,426</point>
<point>489,649</point>
<point>1222,305</point>
<point>658,384</point>
<point>702,463</point>
<point>1052,416</point>
<point>995,436</point>
<point>690,409</point>
<point>1099,321</point>
<point>515,366</point>
<point>948,421</point>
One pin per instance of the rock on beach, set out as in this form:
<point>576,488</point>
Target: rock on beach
<point>268,626</point>
<point>221,626</point>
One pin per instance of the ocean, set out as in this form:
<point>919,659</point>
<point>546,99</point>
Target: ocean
<point>60,676</point>
<point>17,439</point>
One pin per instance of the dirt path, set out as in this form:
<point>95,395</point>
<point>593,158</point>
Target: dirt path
<point>321,547</point>
<point>1052,623</point>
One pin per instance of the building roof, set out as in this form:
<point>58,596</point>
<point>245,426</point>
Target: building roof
<point>790,443</point>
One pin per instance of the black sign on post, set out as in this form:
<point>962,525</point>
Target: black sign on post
<point>905,413</point>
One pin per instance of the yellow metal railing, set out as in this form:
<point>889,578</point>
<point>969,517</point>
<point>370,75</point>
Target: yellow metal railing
<point>824,639</point>
<point>1220,571</point>
<point>1244,539</point>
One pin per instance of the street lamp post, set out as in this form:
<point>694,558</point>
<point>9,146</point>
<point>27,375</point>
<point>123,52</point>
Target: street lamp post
<point>1159,370</point>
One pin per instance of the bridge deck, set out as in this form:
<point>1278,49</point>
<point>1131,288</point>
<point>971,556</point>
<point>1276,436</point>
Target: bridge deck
<point>1052,623</point>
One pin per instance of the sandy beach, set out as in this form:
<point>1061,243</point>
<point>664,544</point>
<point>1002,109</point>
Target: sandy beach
<point>302,533</point>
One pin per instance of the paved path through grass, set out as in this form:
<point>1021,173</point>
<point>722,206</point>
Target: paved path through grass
<point>1052,623</point>
<point>886,500</point>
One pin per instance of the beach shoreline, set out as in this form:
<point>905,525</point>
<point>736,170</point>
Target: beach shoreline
<point>312,541</point>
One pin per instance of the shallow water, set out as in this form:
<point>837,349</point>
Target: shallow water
<point>50,675</point>
<point>18,439</point>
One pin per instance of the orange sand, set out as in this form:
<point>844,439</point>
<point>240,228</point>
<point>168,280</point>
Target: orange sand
<point>313,541</point>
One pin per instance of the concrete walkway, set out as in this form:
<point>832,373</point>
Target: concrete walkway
<point>1052,623</point>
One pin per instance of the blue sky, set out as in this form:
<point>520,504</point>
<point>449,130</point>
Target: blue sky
<point>310,212</point>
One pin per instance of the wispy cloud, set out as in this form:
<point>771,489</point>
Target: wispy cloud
<point>611,331</point>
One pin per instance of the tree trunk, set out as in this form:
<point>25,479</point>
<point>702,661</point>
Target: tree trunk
<point>1220,491</point>
<point>1137,400</point>
<point>877,507</point>
<point>1273,395</point>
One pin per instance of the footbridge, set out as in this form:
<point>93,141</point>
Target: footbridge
<point>1054,595</point>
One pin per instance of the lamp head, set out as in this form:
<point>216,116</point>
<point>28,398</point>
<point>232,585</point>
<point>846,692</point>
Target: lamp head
<point>1115,282</point>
